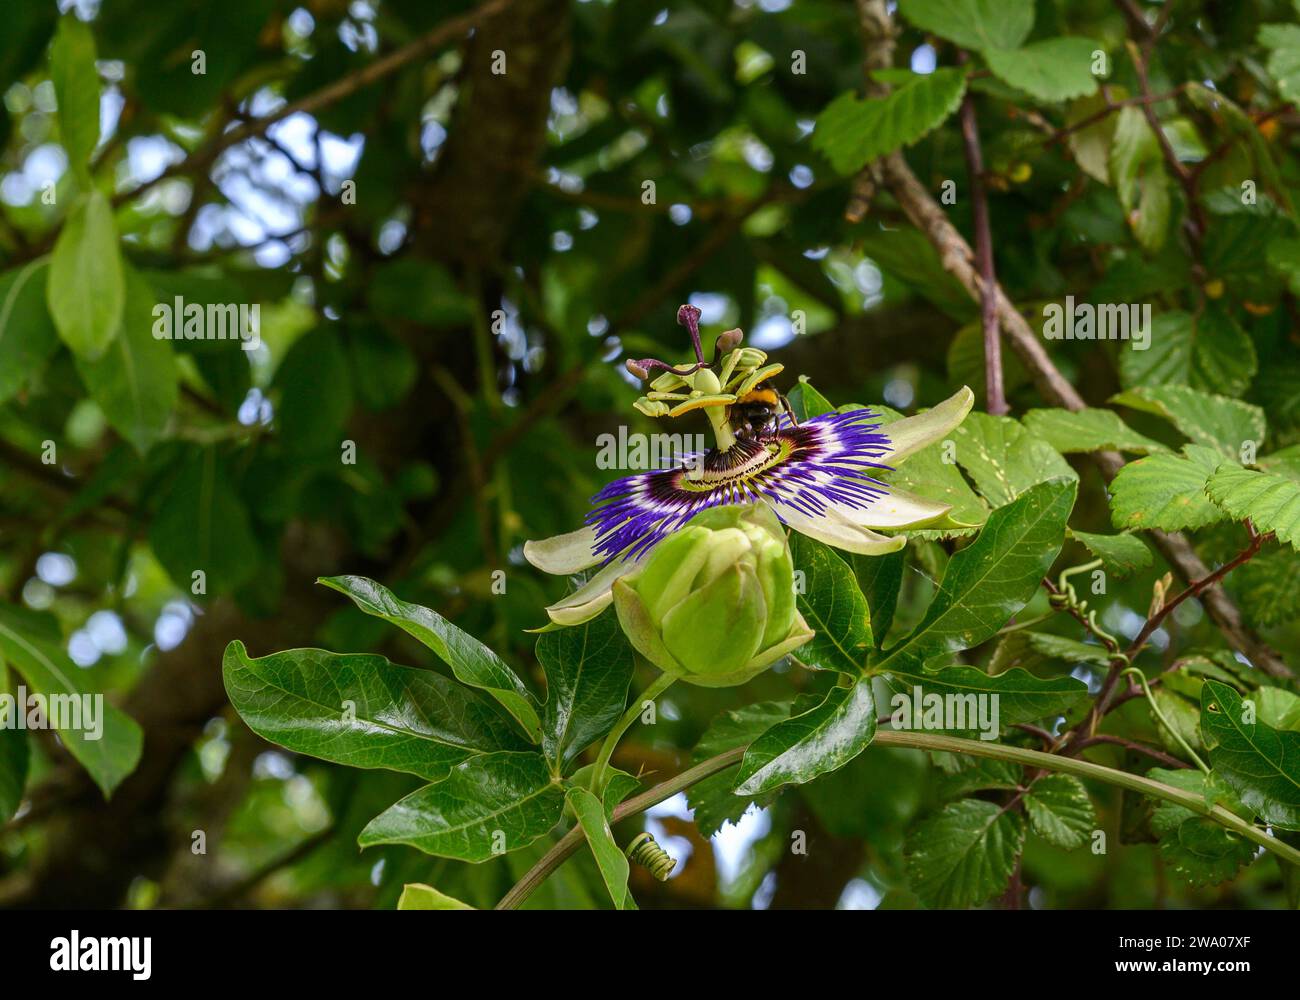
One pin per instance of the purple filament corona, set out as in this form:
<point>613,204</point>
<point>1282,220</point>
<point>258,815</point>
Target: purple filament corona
<point>818,463</point>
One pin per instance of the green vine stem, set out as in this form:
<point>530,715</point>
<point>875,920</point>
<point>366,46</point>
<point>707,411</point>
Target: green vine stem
<point>1155,710</point>
<point>661,684</point>
<point>572,840</point>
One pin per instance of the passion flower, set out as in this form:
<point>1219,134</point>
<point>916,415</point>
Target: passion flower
<point>818,477</point>
<point>714,603</point>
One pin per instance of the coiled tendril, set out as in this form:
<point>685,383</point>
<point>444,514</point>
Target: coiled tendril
<point>646,852</point>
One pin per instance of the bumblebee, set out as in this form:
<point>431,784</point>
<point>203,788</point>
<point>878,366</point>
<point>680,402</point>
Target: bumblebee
<point>756,411</point>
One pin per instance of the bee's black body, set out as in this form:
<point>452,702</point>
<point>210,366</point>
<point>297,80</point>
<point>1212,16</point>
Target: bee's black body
<point>753,414</point>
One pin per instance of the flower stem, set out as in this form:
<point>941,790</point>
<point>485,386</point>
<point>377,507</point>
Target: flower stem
<point>658,687</point>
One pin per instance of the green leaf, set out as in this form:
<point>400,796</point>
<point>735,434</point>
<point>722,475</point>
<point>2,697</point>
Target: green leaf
<point>86,289</point>
<point>1278,708</point>
<point>316,393</point>
<point>1004,459</point>
<point>1021,697</point>
<point>1055,69</point>
<point>964,854</point>
<point>820,740</point>
<point>807,402</point>
<point>360,710</point>
<point>1213,421</point>
<point>1210,351</point>
<point>202,525</point>
<point>1088,429</point>
<point>1027,649</point>
<point>1283,43</point>
<point>76,89</point>
<point>1138,170</point>
<point>1060,811</point>
<point>1199,850</point>
<point>1092,144</point>
<point>1122,555</point>
<point>990,580</point>
<point>880,578</point>
<point>1165,491</point>
<point>14,760</point>
<point>588,669</point>
<point>105,740</point>
<point>471,661</point>
<point>852,132</point>
<point>713,800</point>
<point>973,24</point>
<point>1268,587</point>
<point>609,859</point>
<point>830,602</point>
<point>418,896</point>
<point>27,334</point>
<point>1271,502</point>
<point>1260,763</point>
<point>134,381</point>
<point>488,805</point>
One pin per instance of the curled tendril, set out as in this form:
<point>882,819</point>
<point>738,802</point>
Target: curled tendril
<point>646,852</point>
<point>1164,721</point>
<point>1067,599</point>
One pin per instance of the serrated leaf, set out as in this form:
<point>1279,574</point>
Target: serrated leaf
<point>472,662</point>
<point>990,580</point>
<point>713,800</point>
<point>1004,459</point>
<point>1122,554</point>
<point>973,24</point>
<point>832,604</point>
<point>964,854</point>
<point>486,806</point>
<point>360,710</point>
<point>1055,69</point>
<point>418,896</point>
<point>86,288</point>
<point>1212,421</point>
<point>815,742</point>
<point>852,132</point>
<point>1283,43</point>
<point>588,670</point>
<point>134,381</point>
<point>1199,850</point>
<point>1165,491</point>
<point>609,859</point>
<point>1089,429</point>
<point>1260,763</point>
<point>76,89</point>
<point>1060,811</point>
<point>1210,351</point>
<point>961,775</point>
<point>27,334</point>
<point>1271,502</point>
<point>108,742</point>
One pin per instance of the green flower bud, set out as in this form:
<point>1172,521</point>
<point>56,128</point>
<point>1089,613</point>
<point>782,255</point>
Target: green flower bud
<point>714,603</point>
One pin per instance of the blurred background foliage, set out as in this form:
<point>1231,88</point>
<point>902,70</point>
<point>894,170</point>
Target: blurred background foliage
<point>463,320</point>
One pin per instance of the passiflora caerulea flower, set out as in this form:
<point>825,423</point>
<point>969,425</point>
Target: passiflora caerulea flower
<point>816,476</point>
